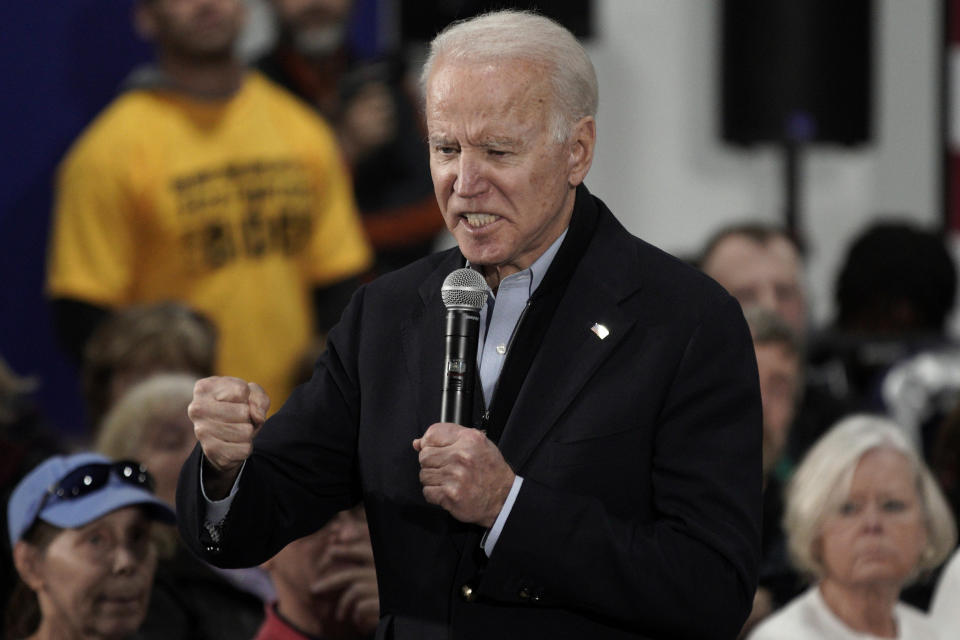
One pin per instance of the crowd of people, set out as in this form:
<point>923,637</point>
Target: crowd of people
<point>650,455</point>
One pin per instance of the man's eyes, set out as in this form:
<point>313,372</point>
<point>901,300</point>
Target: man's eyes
<point>449,149</point>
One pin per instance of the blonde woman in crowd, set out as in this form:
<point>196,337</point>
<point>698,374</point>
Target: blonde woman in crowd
<point>864,517</point>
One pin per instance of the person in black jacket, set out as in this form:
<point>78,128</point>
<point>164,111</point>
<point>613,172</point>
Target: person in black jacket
<point>608,482</point>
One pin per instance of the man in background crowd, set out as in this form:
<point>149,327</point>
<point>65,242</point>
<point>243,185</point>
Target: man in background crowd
<point>375,117</point>
<point>780,370</point>
<point>326,584</point>
<point>761,266</point>
<point>207,184</point>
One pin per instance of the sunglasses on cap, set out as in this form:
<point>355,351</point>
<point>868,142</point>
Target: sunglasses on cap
<point>92,477</point>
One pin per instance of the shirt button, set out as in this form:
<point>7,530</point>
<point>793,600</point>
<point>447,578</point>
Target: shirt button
<point>468,593</point>
<point>501,349</point>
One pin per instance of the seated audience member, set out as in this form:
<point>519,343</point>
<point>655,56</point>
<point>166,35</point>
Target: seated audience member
<point>138,341</point>
<point>945,462</point>
<point>780,371</point>
<point>894,292</point>
<point>149,423</point>
<point>761,266</point>
<point>781,376</point>
<point>191,599</point>
<point>26,440</point>
<point>80,529</point>
<point>864,517</point>
<point>326,584</point>
<point>945,608</point>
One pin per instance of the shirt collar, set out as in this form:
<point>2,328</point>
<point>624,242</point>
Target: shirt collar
<point>537,270</point>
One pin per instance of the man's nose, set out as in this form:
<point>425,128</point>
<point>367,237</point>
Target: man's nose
<point>470,181</point>
<point>767,298</point>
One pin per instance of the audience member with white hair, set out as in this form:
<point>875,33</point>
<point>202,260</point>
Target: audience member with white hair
<point>864,517</point>
<point>191,599</point>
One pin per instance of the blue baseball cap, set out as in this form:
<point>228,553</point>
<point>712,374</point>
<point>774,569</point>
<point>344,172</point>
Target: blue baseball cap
<point>35,498</point>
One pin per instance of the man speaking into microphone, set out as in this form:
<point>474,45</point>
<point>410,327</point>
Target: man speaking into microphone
<point>604,481</point>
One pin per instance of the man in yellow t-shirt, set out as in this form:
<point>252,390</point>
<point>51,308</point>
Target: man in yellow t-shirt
<point>206,183</point>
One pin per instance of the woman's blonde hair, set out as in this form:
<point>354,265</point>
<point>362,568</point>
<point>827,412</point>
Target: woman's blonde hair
<point>822,482</point>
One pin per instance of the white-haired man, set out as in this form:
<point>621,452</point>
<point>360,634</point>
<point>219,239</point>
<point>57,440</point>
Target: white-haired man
<point>609,484</point>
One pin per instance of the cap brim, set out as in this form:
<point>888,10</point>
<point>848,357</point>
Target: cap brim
<point>77,512</point>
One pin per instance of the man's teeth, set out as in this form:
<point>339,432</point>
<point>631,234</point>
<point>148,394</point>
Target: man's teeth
<point>479,219</point>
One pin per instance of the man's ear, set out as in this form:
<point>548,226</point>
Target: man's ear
<point>144,20</point>
<point>28,561</point>
<point>583,140</point>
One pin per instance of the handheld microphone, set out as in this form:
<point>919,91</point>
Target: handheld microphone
<point>463,292</point>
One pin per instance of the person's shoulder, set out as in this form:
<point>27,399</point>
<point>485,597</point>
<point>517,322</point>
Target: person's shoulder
<point>664,269</point>
<point>406,281</point>
<point>283,102</point>
<point>797,620</point>
<point>674,288</point>
<point>914,623</point>
<point>107,137</point>
<point>658,268</point>
<point>947,594</point>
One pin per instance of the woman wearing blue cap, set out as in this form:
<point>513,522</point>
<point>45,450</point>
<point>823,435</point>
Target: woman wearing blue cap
<point>79,527</point>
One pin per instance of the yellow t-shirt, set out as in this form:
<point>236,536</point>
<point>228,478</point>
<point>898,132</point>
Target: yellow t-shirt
<point>236,207</point>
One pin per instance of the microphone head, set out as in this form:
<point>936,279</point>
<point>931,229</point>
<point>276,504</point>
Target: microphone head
<point>464,289</point>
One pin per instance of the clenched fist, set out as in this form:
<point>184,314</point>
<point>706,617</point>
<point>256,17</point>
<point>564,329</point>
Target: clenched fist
<point>464,472</point>
<point>227,413</point>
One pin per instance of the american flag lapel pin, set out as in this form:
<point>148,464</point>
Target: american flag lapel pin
<point>599,329</point>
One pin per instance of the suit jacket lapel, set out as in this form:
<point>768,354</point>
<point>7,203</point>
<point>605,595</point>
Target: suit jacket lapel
<point>422,345</point>
<point>570,347</point>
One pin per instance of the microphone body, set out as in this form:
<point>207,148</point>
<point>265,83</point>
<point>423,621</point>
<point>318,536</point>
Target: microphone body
<point>464,292</point>
<point>459,365</point>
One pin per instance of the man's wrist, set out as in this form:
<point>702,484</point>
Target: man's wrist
<point>217,484</point>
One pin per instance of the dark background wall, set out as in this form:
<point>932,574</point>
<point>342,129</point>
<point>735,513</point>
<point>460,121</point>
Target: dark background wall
<point>62,61</point>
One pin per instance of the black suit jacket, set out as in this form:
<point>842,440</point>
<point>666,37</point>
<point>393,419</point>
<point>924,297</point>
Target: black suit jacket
<point>640,507</point>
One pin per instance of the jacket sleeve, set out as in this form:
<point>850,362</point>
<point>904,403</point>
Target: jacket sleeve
<point>303,469</point>
<point>691,570</point>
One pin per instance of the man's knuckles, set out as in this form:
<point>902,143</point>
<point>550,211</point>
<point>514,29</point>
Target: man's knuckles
<point>206,408</point>
<point>222,388</point>
<point>473,438</point>
<point>233,433</point>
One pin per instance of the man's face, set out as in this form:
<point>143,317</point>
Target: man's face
<point>505,187</point>
<point>765,275</point>
<point>312,14</point>
<point>197,30</point>
<point>779,371</point>
<point>315,27</point>
<point>340,548</point>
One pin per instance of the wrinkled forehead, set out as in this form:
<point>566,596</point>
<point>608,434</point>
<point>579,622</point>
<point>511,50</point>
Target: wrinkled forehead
<point>459,78</point>
<point>744,256</point>
<point>488,99</point>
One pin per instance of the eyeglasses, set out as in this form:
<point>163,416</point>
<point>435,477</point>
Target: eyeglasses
<point>91,477</point>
